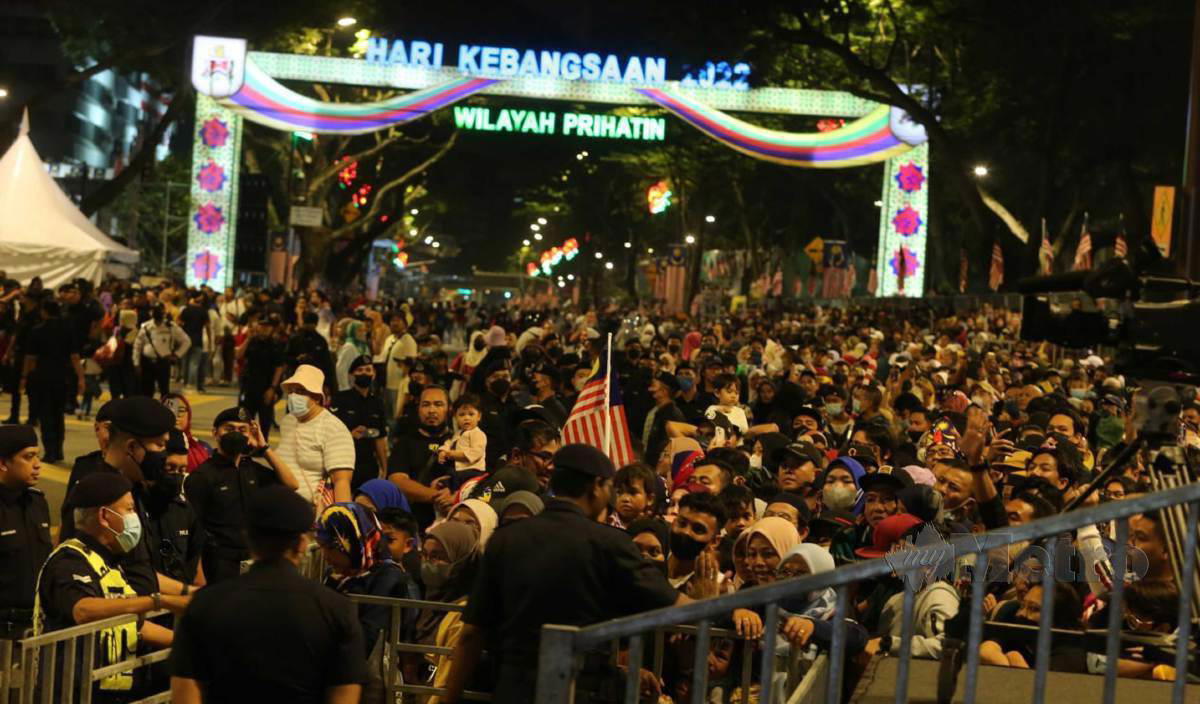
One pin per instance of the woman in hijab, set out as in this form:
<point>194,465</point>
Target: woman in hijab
<point>653,539</point>
<point>520,505</point>
<point>197,451</point>
<point>479,516</point>
<point>451,559</point>
<point>801,561</point>
<point>357,555</point>
<point>844,476</point>
<point>357,344</point>
<point>464,365</point>
<point>381,494</point>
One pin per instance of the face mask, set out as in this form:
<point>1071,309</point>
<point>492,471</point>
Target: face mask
<point>478,344</point>
<point>756,461</point>
<point>297,404</point>
<point>167,487</point>
<point>435,574</point>
<point>363,381</point>
<point>684,547</point>
<point>856,406</point>
<point>834,409</point>
<point>686,384</point>
<point>1110,430</point>
<point>234,444</point>
<point>153,464</point>
<point>661,566</point>
<point>915,436</point>
<point>499,387</point>
<point>128,538</point>
<point>838,498</point>
<point>1079,393</point>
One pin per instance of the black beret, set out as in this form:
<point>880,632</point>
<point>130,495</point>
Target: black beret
<point>98,489</point>
<point>105,412</point>
<point>237,414</point>
<point>14,438</point>
<point>141,416</point>
<point>278,510</point>
<point>363,360</point>
<point>584,459</point>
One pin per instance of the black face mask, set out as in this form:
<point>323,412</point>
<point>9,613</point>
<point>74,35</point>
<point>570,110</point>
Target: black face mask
<point>915,435</point>
<point>158,316</point>
<point>500,387</point>
<point>662,566</point>
<point>363,381</point>
<point>415,389</point>
<point>153,465</point>
<point>684,547</point>
<point>478,344</point>
<point>234,443</point>
<point>167,487</point>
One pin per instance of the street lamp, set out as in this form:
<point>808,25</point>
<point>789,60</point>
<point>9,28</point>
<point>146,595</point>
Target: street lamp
<point>428,239</point>
<point>649,250</point>
<point>3,93</point>
<point>541,221</point>
<point>347,22</point>
<point>608,265</point>
<point>690,239</point>
<point>878,204</point>
<point>538,237</point>
<point>981,170</point>
<point>710,218</point>
<point>525,242</point>
<point>535,227</point>
<point>414,211</point>
<point>628,245</point>
<point>413,232</point>
<point>599,255</point>
<point>570,277</point>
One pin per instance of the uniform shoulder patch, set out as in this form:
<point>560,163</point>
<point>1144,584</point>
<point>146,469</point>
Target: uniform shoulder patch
<point>83,578</point>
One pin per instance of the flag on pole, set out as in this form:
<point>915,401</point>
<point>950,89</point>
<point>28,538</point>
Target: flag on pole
<point>1046,252</point>
<point>675,279</point>
<point>964,267</point>
<point>599,415</point>
<point>1083,253</point>
<point>1120,247</point>
<point>996,273</point>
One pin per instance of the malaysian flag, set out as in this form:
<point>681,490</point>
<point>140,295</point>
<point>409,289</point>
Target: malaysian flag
<point>675,279</point>
<point>1046,252</point>
<point>1120,248</point>
<point>1083,253</point>
<point>996,273</point>
<point>599,415</point>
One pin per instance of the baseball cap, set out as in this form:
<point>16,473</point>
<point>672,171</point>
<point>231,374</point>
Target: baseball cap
<point>889,532</point>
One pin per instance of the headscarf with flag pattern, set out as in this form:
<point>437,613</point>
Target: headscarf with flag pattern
<point>352,529</point>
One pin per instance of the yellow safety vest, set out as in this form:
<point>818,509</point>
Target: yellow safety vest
<point>116,643</point>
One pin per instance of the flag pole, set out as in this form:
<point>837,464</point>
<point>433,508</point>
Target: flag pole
<point>608,371</point>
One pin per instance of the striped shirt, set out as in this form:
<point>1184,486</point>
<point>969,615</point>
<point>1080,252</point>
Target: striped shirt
<point>314,449</point>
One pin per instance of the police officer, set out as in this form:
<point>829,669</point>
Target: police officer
<point>174,531</point>
<point>85,579</point>
<point>265,361</point>
<point>89,463</point>
<point>24,528</point>
<point>220,490</point>
<point>562,566</point>
<point>136,450</point>
<point>53,373</point>
<point>361,409</point>
<point>270,634</point>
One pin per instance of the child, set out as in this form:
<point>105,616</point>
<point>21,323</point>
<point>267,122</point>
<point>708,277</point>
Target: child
<point>469,445</point>
<point>636,489</point>
<point>728,392</point>
<point>91,380</point>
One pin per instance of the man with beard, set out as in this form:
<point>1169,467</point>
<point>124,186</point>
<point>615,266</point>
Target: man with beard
<point>530,464</point>
<point>221,489</point>
<point>413,463</point>
<point>265,363</point>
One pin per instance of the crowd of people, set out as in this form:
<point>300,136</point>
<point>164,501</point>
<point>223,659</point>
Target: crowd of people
<point>421,447</point>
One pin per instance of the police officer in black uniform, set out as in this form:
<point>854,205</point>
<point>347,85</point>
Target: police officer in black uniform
<point>270,634</point>
<point>361,409</point>
<point>53,374</point>
<point>221,490</point>
<point>89,463</point>
<point>562,566</point>
<point>24,528</point>
<point>265,362</point>
<point>174,531</point>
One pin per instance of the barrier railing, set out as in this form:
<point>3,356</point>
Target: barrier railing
<point>561,647</point>
<point>61,666</point>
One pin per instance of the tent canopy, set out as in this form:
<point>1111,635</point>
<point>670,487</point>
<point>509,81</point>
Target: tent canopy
<point>42,233</point>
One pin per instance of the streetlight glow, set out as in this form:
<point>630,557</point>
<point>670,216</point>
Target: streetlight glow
<point>599,255</point>
<point>428,239</point>
<point>710,218</point>
<point>347,22</point>
<point>3,93</point>
<point>525,242</point>
<point>608,265</point>
<point>690,239</point>
<point>414,211</point>
<point>535,227</point>
<point>878,204</point>
<point>981,170</point>
<point>649,250</point>
<point>628,245</point>
<point>541,221</point>
<point>538,237</point>
<point>413,232</point>
<point>435,245</point>
<point>570,277</point>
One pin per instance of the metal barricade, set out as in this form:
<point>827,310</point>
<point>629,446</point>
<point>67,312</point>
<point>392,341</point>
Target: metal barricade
<point>561,647</point>
<point>60,666</point>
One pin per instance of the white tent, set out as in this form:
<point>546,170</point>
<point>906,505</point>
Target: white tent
<point>42,233</point>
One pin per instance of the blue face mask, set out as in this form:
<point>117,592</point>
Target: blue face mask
<point>685,384</point>
<point>130,534</point>
<point>297,404</point>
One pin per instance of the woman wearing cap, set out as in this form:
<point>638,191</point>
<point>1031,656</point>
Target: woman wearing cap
<point>354,548</point>
<point>314,443</point>
<point>450,560</point>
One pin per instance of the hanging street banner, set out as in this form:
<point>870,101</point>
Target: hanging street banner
<point>568,124</point>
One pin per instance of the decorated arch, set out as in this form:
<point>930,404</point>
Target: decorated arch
<point>234,85</point>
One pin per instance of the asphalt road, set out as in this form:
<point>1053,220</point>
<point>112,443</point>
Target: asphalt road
<point>81,438</point>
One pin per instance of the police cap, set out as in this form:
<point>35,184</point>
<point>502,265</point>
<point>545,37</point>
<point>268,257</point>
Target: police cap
<point>105,413</point>
<point>14,438</point>
<point>141,417</point>
<point>237,414</point>
<point>584,459</point>
<point>99,489</point>
<point>277,510</point>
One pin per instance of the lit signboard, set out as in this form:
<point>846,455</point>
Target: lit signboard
<point>571,124</point>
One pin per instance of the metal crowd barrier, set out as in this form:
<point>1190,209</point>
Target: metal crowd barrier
<point>562,647</point>
<point>30,668</point>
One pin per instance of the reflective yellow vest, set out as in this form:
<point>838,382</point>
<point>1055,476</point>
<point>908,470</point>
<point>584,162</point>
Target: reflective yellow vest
<point>116,643</point>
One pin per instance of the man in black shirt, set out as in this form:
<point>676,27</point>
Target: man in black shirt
<point>307,346</point>
<point>270,634</point>
<point>364,415</point>
<point>654,430</point>
<point>52,373</point>
<point>194,319</point>
<point>222,489</point>
<point>262,374</point>
<point>87,464</point>
<point>562,566</point>
<point>413,463</point>
<point>175,533</point>
<point>24,528</point>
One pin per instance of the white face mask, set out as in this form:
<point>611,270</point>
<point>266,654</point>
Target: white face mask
<point>297,404</point>
<point>756,461</point>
